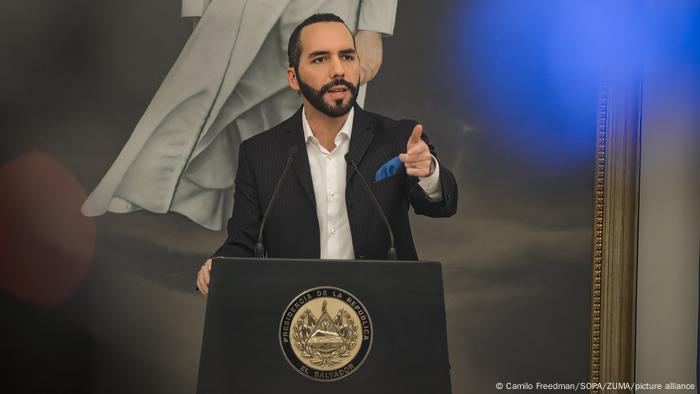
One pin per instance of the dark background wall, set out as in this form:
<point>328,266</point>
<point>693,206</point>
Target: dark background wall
<point>108,305</point>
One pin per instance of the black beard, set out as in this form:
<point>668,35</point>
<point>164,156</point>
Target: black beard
<point>315,97</point>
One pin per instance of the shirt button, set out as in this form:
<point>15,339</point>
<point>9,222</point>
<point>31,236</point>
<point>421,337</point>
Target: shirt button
<point>332,194</point>
<point>332,231</point>
<point>328,157</point>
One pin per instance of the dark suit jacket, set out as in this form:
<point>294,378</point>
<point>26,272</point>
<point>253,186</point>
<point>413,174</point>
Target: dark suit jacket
<point>291,231</point>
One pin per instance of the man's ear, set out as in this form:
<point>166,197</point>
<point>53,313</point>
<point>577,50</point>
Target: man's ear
<point>292,79</point>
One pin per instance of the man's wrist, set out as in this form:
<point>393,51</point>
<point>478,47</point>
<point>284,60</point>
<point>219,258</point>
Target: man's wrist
<point>431,183</point>
<point>433,167</point>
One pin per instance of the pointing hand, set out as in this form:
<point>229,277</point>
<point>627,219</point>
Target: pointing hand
<point>417,159</point>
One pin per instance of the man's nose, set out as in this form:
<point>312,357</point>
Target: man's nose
<point>337,69</point>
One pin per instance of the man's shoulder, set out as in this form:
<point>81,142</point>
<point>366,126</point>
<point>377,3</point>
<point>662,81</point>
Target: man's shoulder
<point>401,128</point>
<point>267,136</point>
<point>271,136</point>
<point>381,123</point>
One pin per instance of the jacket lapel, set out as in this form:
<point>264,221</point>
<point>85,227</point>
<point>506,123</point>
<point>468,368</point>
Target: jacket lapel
<point>362,135</point>
<point>301,167</point>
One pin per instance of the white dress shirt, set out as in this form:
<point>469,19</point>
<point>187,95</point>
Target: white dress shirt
<point>328,174</point>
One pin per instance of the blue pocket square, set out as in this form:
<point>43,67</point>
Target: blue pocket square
<point>389,169</point>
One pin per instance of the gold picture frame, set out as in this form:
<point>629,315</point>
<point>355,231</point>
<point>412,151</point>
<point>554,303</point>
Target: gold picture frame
<point>615,217</point>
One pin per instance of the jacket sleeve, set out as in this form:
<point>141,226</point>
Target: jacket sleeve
<point>244,224</point>
<point>424,205</point>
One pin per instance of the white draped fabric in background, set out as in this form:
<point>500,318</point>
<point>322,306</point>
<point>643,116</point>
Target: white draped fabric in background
<point>228,84</point>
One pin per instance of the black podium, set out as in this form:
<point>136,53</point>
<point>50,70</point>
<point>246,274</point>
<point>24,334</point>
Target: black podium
<point>324,326</point>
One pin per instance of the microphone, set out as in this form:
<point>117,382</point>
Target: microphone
<point>391,254</point>
<point>259,247</point>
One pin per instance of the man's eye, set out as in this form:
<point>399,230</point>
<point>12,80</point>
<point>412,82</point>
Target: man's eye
<point>318,60</point>
<point>349,57</point>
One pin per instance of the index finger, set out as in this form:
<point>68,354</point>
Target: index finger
<point>416,133</point>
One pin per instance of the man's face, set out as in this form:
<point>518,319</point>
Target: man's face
<point>328,75</point>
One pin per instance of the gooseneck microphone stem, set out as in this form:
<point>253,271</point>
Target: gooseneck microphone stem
<point>391,254</point>
<point>259,246</point>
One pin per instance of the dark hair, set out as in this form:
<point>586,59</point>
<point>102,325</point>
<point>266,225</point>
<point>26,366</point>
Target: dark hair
<point>294,47</point>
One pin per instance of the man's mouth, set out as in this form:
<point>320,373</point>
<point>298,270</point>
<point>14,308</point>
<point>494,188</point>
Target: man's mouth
<point>337,92</point>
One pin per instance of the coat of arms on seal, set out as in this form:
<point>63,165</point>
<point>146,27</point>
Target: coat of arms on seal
<point>325,333</point>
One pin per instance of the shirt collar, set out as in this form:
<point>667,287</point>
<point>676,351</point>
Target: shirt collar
<point>346,129</point>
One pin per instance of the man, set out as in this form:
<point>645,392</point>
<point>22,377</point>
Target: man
<point>323,209</point>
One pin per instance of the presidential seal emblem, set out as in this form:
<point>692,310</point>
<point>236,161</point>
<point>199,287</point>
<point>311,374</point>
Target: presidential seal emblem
<point>325,333</point>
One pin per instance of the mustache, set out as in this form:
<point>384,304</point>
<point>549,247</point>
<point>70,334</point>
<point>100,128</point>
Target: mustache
<point>337,82</point>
